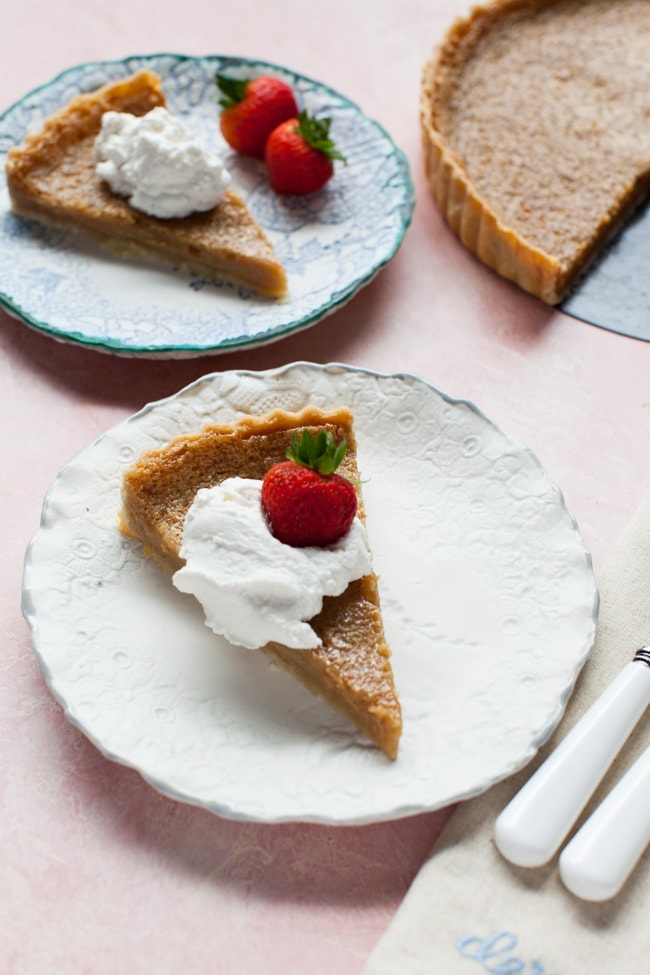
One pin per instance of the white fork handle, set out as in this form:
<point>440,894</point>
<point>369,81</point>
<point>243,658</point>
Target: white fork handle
<point>603,853</point>
<point>534,824</point>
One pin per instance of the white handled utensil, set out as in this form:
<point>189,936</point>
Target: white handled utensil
<point>534,824</point>
<point>603,853</point>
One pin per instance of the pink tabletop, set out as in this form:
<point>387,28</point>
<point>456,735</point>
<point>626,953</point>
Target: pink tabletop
<point>99,873</point>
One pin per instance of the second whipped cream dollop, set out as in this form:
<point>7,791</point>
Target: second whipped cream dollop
<point>253,588</point>
<point>156,163</point>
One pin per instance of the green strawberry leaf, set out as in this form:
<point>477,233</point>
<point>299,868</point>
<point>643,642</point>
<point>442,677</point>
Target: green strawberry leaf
<point>315,132</point>
<point>321,453</point>
<point>233,89</point>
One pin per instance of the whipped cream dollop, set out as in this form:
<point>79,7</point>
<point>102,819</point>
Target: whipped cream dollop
<point>154,161</point>
<point>253,588</point>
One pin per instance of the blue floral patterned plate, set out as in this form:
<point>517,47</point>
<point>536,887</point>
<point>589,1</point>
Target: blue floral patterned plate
<point>331,243</point>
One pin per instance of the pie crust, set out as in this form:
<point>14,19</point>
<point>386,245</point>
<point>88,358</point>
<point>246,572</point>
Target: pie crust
<point>534,118</point>
<point>52,178</point>
<point>351,669</point>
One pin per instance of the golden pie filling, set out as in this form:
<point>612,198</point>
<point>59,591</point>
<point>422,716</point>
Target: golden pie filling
<point>52,178</point>
<point>536,136</point>
<point>351,669</point>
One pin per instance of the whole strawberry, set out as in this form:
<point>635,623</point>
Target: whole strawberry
<point>299,155</point>
<point>251,109</point>
<point>305,502</point>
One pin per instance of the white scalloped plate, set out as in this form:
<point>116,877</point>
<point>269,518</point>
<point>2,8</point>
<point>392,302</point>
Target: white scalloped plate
<point>331,243</point>
<point>487,591</point>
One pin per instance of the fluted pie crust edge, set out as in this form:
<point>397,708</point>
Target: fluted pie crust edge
<point>468,214</point>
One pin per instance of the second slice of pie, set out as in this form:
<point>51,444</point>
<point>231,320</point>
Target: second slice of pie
<point>351,668</point>
<point>52,178</point>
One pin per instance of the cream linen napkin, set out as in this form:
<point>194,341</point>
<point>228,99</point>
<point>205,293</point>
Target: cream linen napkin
<point>469,911</point>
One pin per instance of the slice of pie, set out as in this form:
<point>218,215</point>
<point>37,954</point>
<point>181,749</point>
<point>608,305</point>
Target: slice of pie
<point>52,178</point>
<point>351,668</point>
<point>535,133</point>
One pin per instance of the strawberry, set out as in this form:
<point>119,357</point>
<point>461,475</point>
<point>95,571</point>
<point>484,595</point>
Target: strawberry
<point>304,501</point>
<point>252,109</point>
<point>299,155</point>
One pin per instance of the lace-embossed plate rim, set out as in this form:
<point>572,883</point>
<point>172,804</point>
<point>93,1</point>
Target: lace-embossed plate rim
<point>331,243</point>
<point>487,592</point>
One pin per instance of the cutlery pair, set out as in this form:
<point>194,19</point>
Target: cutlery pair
<point>600,857</point>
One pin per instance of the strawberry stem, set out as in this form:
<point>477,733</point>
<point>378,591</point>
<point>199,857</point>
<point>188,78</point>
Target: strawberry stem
<point>233,89</point>
<point>320,453</point>
<point>315,132</point>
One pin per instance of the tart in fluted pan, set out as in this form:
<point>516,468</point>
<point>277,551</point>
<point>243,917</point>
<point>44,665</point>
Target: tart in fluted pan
<point>535,131</point>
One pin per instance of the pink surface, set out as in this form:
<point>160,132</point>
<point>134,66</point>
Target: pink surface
<point>99,874</point>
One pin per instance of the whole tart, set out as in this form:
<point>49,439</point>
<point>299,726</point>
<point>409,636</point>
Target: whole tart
<point>534,117</point>
<point>52,178</point>
<point>351,668</point>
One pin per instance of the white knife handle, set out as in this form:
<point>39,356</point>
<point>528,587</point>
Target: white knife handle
<point>533,825</point>
<point>601,856</point>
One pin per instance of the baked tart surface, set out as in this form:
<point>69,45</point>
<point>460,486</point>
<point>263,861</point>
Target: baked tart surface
<point>536,143</point>
<point>52,178</point>
<point>351,668</point>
